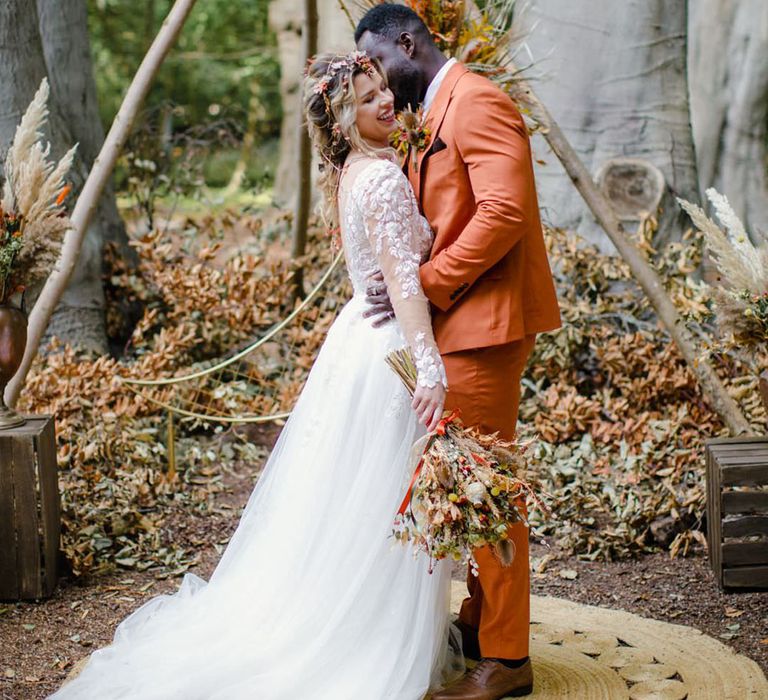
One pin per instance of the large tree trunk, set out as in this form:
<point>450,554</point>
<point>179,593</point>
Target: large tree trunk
<point>67,49</point>
<point>22,67</point>
<point>334,33</point>
<point>80,318</point>
<point>615,80</point>
<point>304,161</point>
<point>728,74</point>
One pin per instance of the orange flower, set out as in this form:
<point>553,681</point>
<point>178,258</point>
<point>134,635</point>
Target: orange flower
<point>63,195</point>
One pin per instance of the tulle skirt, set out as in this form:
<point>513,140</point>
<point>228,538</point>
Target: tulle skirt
<point>312,598</point>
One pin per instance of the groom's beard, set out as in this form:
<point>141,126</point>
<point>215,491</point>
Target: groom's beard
<point>406,100</point>
<point>407,90</point>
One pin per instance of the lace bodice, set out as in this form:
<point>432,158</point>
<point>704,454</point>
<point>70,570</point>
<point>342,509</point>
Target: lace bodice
<point>382,230</point>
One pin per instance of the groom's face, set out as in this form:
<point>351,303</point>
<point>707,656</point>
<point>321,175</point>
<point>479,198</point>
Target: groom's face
<point>403,73</point>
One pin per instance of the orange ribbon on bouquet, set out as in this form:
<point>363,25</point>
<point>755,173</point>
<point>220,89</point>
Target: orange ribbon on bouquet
<point>441,429</point>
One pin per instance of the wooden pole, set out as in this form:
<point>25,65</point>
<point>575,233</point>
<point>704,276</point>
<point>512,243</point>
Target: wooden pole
<point>304,165</point>
<point>642,271</point>
<point>94,186</point>
<point>171,447</point>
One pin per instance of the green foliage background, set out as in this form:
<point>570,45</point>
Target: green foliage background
<point>225,51</point>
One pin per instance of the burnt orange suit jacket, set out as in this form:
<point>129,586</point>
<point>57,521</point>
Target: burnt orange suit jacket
<point>488,276</point>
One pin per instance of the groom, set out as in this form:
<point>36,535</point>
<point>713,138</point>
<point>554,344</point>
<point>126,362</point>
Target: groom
<point>491,290</point>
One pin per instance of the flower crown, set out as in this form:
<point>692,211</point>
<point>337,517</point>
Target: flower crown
<point>359,59</point>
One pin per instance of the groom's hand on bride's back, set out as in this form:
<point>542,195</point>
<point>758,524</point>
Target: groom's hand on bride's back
<point>379,304</point>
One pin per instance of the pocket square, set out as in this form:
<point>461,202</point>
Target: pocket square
<point>437,145</point>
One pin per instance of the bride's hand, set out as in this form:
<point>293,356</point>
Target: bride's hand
<point>429,404</point>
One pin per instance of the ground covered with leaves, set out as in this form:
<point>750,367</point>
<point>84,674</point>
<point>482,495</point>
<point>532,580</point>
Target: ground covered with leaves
<point>618,419</point>
<point>42,642</point>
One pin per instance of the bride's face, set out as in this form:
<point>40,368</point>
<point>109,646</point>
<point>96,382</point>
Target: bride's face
<point>375,108</point>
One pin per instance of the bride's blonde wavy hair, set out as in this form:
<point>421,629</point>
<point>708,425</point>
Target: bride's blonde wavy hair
<point>330,110</point>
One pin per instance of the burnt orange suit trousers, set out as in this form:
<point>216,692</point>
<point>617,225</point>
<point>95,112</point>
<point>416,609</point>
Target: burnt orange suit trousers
<point>484,384</point>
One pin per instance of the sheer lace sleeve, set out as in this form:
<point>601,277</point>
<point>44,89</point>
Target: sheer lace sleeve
<point>397,234</point>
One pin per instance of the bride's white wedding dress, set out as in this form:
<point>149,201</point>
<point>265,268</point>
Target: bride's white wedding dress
<point>312,598</point>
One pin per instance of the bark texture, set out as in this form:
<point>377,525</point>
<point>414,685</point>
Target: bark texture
<point>22,67</point>
<point>80,317</point>
<point>334,33</point>
<point>728,76</point>
<point>304,161</point>
<point>613,75</point>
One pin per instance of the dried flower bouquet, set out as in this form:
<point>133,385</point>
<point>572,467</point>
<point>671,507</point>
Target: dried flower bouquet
<point>467,487</point>
<point>32,220</point>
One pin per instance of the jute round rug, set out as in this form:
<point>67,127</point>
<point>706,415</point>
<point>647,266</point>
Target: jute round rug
<point>581,652</point>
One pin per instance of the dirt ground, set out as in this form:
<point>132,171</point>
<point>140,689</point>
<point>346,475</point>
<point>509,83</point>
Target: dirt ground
<point>41,641</point>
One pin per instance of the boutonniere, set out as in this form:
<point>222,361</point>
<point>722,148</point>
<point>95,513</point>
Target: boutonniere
<point>411,135</point>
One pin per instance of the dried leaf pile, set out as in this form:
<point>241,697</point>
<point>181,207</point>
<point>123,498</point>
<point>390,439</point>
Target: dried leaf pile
<point>620,418</point>
<point>112,443</point>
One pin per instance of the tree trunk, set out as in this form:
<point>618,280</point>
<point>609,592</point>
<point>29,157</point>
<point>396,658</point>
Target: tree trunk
<point>728,74</point>
<point>615,80</point>
<point>22,66</point>
<point>79,318</point>
<point>334,33</point>
<point>304,161</point>
<point>286,19</point>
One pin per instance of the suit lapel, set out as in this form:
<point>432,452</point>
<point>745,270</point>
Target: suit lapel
<point>433,121</point>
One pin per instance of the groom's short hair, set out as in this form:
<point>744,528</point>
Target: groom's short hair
<point>389,20</point>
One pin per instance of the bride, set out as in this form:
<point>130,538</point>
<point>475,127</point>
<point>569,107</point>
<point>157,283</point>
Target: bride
<point>312,599</point>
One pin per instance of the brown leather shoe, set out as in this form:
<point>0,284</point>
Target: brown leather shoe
<point>490,680</point>
<point>470,644</point>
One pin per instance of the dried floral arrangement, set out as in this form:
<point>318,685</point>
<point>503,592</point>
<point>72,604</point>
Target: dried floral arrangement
<point>411,134</point>
<point>741,292</point>
<point>467,487</point>
<point>32,220</point>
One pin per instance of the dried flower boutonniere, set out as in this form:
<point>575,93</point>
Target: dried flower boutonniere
<point>411,134</point>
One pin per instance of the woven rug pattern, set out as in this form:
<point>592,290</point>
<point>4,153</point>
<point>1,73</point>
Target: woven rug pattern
<point>589,653</point>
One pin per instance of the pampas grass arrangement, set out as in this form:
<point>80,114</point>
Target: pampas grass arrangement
<point>741,300</point>
<point>32,219</point>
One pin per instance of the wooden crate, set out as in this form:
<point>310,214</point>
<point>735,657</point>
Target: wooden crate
<point>737,511</point>
<point>30,513</point>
